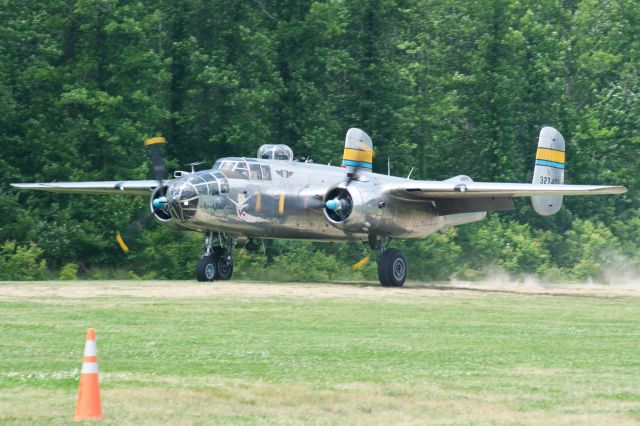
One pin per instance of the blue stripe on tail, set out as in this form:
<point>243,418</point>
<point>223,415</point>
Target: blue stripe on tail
<point>357,164</point>
<point>550,164</point>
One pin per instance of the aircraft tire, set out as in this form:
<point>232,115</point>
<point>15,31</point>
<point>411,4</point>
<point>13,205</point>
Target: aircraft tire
<point>224,268</point>
<point>392,268</point>
<point>207,268</point>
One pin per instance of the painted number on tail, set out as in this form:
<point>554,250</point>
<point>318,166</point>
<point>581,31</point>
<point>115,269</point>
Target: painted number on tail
<point>546,180</point>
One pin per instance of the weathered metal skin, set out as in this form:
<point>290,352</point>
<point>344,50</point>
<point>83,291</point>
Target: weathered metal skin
<point>291,204</point>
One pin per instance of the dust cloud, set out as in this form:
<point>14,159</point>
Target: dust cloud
<point>621,276</point>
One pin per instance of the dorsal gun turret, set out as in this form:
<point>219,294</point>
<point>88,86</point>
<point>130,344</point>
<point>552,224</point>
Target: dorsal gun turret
<point>275,152</point>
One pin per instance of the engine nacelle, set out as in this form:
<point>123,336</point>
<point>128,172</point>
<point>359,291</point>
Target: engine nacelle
<point>353,208</point>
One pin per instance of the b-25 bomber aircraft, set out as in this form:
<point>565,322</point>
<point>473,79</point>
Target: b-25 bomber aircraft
<point>273,196</point>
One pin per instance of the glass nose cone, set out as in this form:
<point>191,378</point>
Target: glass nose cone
<point>182,200</point>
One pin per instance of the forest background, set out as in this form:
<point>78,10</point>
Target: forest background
<point>443,86</point>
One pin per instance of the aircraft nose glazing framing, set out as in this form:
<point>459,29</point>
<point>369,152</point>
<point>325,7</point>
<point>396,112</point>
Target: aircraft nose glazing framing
<point>184,194</point>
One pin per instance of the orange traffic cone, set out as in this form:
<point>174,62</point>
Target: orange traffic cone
<point>88,406</point>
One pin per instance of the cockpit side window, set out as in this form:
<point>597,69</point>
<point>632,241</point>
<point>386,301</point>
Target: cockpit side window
<point>241,169</point>
<point>256,173</point>
<point>266,172</point>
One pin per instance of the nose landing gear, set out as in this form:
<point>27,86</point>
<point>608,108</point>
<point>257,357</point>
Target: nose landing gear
<point>206,268</point>
<point>217,262</point>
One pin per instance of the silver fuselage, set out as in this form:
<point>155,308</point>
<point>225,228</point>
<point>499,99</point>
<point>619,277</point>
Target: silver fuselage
<point>286,199</point>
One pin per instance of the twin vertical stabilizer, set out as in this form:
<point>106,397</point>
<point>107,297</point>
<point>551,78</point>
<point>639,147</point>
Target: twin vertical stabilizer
<point>358,151</point>
<point>549,170</point>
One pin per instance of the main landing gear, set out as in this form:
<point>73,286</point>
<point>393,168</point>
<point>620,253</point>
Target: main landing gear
<point>392,265</point>
<point>217,262</point>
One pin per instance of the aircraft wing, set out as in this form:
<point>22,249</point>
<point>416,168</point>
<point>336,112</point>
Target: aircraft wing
<point>120,187</point>
<point>451,197</point>
<point>427,190</point>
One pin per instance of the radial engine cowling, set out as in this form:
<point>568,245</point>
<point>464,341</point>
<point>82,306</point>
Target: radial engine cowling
<point>355,208</point>
<point>160,208</point>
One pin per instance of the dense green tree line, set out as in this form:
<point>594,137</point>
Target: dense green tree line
<point>443,87</point>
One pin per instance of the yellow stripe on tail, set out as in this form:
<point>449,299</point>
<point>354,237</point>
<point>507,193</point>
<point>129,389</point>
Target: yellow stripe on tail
<point>357,155</point>
<point>550,155</point>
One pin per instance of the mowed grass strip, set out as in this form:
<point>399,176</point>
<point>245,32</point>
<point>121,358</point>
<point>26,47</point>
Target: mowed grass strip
<point>184,353</point>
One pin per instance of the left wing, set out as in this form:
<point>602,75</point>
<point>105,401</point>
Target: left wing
<point>121,187</point>
<point>427,190</point>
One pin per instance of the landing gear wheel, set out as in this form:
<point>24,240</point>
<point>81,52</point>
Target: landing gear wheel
<point>392,268</point>
<point>224,264</point>
<point>207,268</point>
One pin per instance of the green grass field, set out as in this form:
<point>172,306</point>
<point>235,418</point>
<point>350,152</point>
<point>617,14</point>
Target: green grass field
<point>239,353</point>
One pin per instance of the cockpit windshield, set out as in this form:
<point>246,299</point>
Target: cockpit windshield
<point>233,169</point>
<point>243,169</point>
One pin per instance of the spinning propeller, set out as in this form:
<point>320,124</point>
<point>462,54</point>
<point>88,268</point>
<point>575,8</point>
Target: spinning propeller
<point>155,146</point>
<point>357,159</point>
<point>339,204</point>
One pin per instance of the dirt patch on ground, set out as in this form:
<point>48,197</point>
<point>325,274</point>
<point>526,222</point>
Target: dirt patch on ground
<point>355,404</point>
<point>235,401</point>
<point>188,289</point>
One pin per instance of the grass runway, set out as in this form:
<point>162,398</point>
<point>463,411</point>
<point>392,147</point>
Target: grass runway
<point>247,353</point>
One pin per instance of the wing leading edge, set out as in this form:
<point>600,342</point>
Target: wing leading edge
<point>425,190</point>
<point>122,187</point>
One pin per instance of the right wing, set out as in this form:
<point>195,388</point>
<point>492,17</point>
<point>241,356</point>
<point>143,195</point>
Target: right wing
<point>458,196</point>
<point>422,189</point>
<point>121,187</point>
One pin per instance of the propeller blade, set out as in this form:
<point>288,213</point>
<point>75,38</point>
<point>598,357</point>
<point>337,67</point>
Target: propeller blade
<point>132,231</point>
<point>351,176</point>
<point>157,157</point>
<point>121,242</point>
<point>360,263</point>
